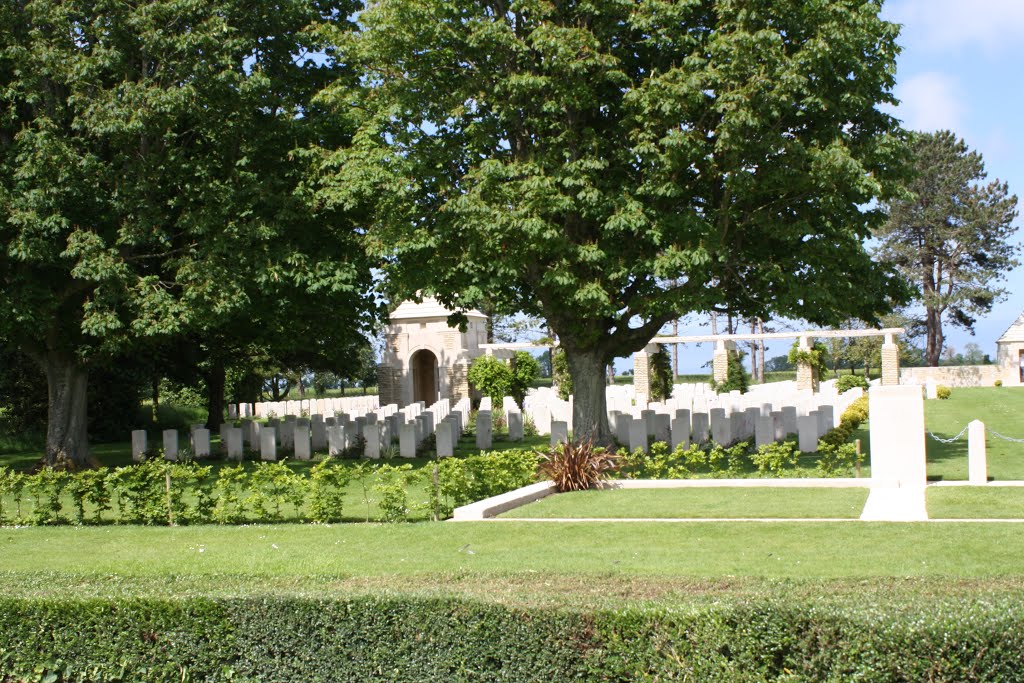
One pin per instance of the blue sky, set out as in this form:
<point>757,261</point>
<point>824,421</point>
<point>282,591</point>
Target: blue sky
<point>962,69</point>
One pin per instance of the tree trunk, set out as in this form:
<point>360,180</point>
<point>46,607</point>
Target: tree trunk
<point>67,435</point>
<point>933,351</point>
<point>589,413</point>
<point>215,380</point>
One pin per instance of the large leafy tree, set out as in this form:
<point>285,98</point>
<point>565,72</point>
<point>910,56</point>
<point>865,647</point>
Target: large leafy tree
<point>148,183</point>
<point>611,165</point>
<point>950,235</point>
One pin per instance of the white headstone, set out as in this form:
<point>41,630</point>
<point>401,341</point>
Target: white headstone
<point>371,433</point>
<point>515,425</point>
<point>483,430</point>
<point>335,441</point>
<point>138,444</point>
<point>638,434</point>
<point>559,432</point>
<point>407,440</point>
<point>807,430</point>
<point>171,444</point>
<point>445,447</point>
<point>303,445</point>
<point>268,443</point>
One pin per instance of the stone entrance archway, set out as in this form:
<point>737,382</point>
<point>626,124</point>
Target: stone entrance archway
<point>424,377</point>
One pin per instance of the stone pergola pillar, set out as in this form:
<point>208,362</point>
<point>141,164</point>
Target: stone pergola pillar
<point>642,372</point>
<point>806,373</point>
<point>890,362</point>
<point>720,362</point>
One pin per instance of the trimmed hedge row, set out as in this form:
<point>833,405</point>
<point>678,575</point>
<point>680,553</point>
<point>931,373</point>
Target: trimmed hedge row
<point>447,640</point>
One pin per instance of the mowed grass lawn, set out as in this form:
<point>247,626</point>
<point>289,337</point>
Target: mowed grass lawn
<point>725,502</point>
<point>311,553</point>
<point>1000,408</point>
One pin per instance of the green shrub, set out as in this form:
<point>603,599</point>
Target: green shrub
<point>327,480</point>
<point>774,457</point>
<point>275,485</point>
<point>578,465</point>
<point>736,378</point>
<point>855,413</point>
<point>661,374</point>
<point>847,382</point>
<point>391,488</point>
<point>943,392</point>
<point>272,638</point>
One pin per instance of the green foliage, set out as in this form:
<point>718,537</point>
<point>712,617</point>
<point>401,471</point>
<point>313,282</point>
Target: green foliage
<point>327,480</point>
<point>578,465</point>
<point>391,489</point>
<point>525,371</point>
<point>151,172</point>
<point>661,375</point>
<point>817,356</point>
<point>847,382</point>
<point>943,392</point>
<point>275,485</point>
<point>560,375</point>
<point>951,234</point>
<point>736,377</point>
<point>774,457</point>
<point>998,383</point>
<point>761,638</point>
<point>232,505</point>
<point>490,376</point>
<point>836,459</point>
<point>855,413</point>
<point>632,162</point>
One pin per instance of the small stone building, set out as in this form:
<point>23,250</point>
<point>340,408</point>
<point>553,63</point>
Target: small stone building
<point>426,360</point>
<point>1010,354</point>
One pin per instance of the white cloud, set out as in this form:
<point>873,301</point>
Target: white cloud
<point>943,25</point>
<point>930,101</point>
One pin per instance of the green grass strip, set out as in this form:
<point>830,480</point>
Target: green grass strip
<point>725,502</point>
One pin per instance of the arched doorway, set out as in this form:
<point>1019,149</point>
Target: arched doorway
<point>424,377</point>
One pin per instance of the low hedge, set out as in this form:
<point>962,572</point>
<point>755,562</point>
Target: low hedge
<point>394,638</point>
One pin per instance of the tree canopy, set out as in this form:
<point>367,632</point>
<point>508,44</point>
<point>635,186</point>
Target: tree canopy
<point>151,159</point>
<point>613,165</point>
<point>950,235</point>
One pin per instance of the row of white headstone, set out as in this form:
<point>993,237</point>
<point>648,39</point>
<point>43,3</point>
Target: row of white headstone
<point>353,405</point>
<point>379,428</point>
<point>696,414</point>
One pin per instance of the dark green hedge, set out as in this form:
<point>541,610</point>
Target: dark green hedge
<point>449,640</point>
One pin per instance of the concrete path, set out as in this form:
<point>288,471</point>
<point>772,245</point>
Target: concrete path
<point>902,504</point>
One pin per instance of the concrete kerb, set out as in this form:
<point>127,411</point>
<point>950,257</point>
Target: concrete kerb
<point>495,505</point>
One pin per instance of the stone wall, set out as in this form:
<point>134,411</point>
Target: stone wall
<point>953,376</point>
<point>389,385</point>
<point>458,382</point>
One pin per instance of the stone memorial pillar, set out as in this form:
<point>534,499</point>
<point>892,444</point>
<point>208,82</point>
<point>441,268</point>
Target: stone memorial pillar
<point>806,374</point>
<point>890,362</point>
